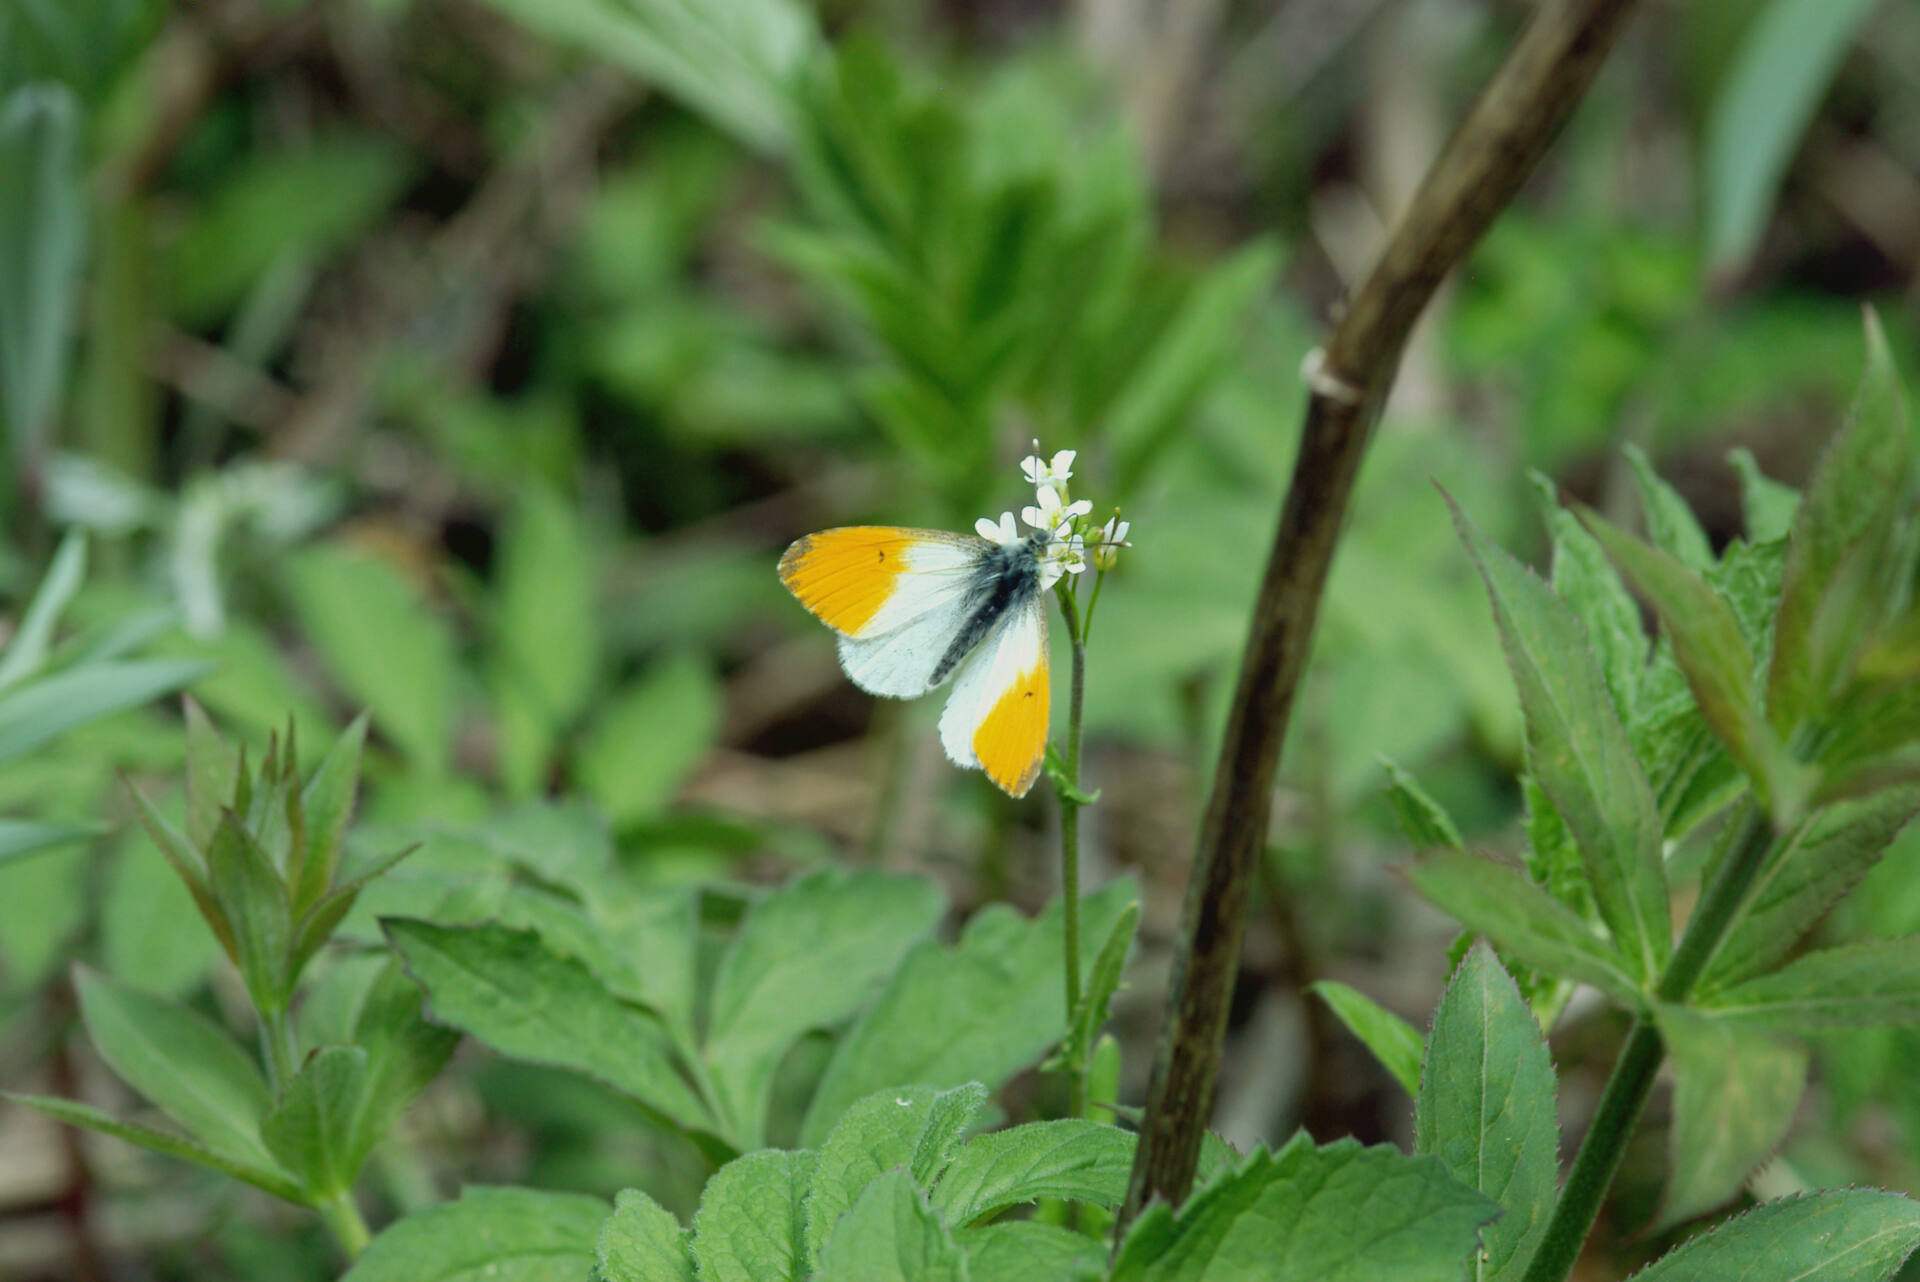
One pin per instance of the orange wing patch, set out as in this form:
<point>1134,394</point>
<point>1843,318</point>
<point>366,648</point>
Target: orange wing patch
<point>844,576</point>
<point>1011,740</point>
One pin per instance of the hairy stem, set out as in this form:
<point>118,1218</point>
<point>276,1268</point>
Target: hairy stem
<point>1070,803</point>
<point>1497,146</point>
<point>1632,1078</point>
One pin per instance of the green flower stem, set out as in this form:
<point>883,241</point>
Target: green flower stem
<point>1633,1073</point>
<point>283,1057</point>
<point>1076,1054</point>
<point>343,1218</point>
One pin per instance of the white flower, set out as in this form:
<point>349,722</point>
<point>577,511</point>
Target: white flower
<point>1065,554</point>
<point>1039,472</point>
<point>1052,514</point>
<point>1108,541</point>
<point>1003,531</point>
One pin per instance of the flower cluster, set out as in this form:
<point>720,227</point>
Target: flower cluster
<point>1061,518</point>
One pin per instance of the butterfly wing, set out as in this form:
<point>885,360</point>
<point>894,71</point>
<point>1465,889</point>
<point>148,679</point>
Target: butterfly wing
<point>996,717</point>
<point>898,597</point>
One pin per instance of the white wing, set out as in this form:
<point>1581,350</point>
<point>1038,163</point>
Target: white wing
<point>899,648</point>
<point>996,717</point>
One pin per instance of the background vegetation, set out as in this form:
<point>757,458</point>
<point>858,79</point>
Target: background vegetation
<point>471,361</point>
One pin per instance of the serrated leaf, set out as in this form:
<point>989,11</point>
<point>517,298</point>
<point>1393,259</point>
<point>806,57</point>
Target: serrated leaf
<point>1734,1097</point>
<point>261,1176</point>
<point>181,1061</point>
<point>1827,854</point>
<point>1394,1042</point>
<point>310,1128</point>
<point>404,1053</point>
<point>807,956</point>
<point>751,1226</point>
<point>254,900</point>
<point>642,1242</point>
<point>1710,649</point>
<point>1425,821</point>
<point>1579,753</point>
<point>1103,978</point>
<point>889,1129</point>
<point>1497,901</point>
<point>1026,1251</point>
<point>505,988</point>
<point>891,1236</point>
<point>1487,1109</point>
<point>1865,985</point>
<point>1586,581</point>
<point>1846,1235</point>
<point>1342,1213</point>
<point>1766,505</point>
<point>1842,569</point>
<point>1068,1158</point>
<point>213,774</point>
<point>1671,525</point>
<point>501,1234</point>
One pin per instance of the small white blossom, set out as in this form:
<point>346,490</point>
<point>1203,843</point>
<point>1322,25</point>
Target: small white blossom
<point>1040,472</point>
<point>1052,515</point>
<point>1003,531</point>
<point>1065,554</point>
<point>1108,541</point>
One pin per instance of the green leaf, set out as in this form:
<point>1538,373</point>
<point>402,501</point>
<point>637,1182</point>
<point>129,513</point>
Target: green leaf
<point>1863,985</point>
<point>1671,524</point>
<point>1394,1042</point>
<point>404,1053</point>
<point>43,224</point>
<point>1709,647</point>
<point>649,738</point>
<point>1827,854</point>
<point>1425,821</point>
<point>1487,1109</point>
<point>262,1176</point>
<point>1767,506</point>
<point>149,923</point>
<point>1844,566</point>
<point>254,901</point>
<point>45,709</point>
<point>386,649</point>
<point>310,1128</point>
<point>1498,901</point>
<point>1103,978</point>
<point>735,62</point>
<point>1586,581</point>
<point>751,1226</point>
<point>1761,109</point>
<point>807,956</point>
<point>506,989</point>
<point>500,1234</point>
<point>642,1242</point>
<point>907,1127</point>
<point>546,629</point>
<point>19,838</point>
<point>1579,753</point>
<point>1735,1092</point>
<point>213,776</point>
<point>977,1011</point>
<point>26,650</point>
<point>1068,1158</point>
<point>328,803</point>
<point>1026,1251</point>
<point>891,1236</point>
<point>1846,1235</point>
<point>1342,1213</point>
<point>191,1069</point>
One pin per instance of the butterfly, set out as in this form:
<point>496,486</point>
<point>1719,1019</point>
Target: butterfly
<point>917,608</point>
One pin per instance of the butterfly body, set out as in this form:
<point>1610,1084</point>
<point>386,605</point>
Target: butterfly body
<point>916,608</point>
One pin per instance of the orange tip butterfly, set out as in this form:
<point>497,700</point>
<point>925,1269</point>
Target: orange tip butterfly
<point>916,608</point>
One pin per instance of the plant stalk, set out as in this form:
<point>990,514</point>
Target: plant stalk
<point>1503,137</point>
<point>343,1219</point>
<point>1076,1054</point>
<point>1632,1078</point>
<point>276,1033</point>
